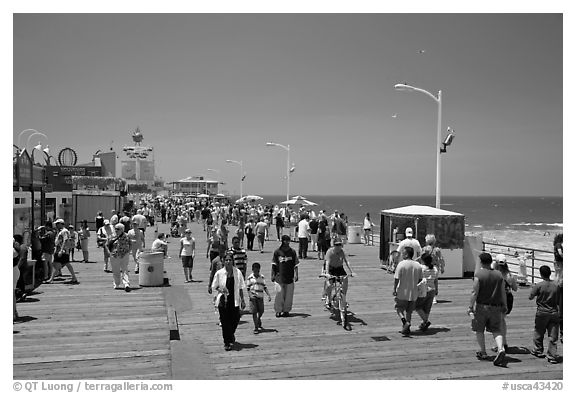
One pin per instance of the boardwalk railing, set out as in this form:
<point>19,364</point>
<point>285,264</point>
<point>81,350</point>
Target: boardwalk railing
<point>517,255</point>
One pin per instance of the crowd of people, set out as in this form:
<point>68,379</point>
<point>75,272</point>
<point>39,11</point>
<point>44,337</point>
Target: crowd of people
<point>415,278</point>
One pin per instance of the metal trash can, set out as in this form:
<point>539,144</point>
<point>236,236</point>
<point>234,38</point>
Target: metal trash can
<point>151,269</point>
<point>354,234</point>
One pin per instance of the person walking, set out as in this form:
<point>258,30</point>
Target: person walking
<point>256,286</point>
<point>187,253</point>
<point>547,319</point>
<point>406,278</point>
<point>249,230</point>
<point>84,236</point>
<point>303,235</point>
<point>229,283</point>
<point>137,244</point>
<point>260,230</point>
<point>487,304</point>
<point>314,232</point>
<point>368,226</point>
<point>103,235</point>
<point>409,241</point>
<point>119,246</point>
<point>72,242</point>
<point>48,245</point>
<point>324,239</point>
<point>239,255</point>
<point>279,221</point>
<point>62,252</point>
<point>424,304</point>
<point>437,258</point>
<point>510,285</point>
<point>99,220</point>
<point>284,274</point>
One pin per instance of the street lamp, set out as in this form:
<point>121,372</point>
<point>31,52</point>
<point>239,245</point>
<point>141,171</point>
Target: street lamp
<point>241,172</point>
<point>405,87</point>
<point>287,148</point>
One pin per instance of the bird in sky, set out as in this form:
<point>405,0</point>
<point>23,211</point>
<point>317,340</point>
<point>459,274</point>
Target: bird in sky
<point>395,115</point>
<point>422,51</point>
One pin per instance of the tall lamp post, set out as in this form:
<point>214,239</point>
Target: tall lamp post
<point>287,148</point>
<point>241,173</point>
<point>405,87</point>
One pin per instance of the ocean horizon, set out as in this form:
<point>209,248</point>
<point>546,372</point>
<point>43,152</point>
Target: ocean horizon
<point>521,220</point>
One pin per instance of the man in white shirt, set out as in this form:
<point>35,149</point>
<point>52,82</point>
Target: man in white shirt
<point>303,235</point>
<point>410,242</point>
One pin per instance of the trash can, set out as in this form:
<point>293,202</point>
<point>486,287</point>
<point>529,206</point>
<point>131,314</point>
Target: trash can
<point>354,235</point>
<point>151,269</point>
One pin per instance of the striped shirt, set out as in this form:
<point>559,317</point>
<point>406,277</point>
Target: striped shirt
<point>240,259</point>
<point>256,285</point>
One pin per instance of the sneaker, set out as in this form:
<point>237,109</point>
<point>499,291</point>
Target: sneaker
<point>227,347</point>
<point>495,349</point>
<point>499,359</point>
<point>256,331</point>
<point>127,289</point>
<point>424,326</point>
<point>482,355</point>
<point>406,329</point>
<point>537,354</point>
<point>278,315</point>
<point>285,314</point>
<point>552,360</point>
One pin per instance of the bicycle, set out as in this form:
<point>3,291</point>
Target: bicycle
<point>337,303</point>
<point>391,262</point>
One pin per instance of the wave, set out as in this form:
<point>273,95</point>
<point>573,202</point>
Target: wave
<point>539,224</point>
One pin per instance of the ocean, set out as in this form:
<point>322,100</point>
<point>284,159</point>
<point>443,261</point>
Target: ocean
<point>521,221</point>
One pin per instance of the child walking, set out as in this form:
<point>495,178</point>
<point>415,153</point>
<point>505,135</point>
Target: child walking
<point>547,317</point>
<point>256,288</point>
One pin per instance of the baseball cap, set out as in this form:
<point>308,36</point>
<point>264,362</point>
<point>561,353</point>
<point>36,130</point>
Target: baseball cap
<point>59,221</point>
<point>188,230</point>
<point>409,231</point>
<point>106,222</point>
<point>119,226</point>
<point>337,241</point>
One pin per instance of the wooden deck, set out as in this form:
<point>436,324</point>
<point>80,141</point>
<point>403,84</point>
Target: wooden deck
<point>90,331</point>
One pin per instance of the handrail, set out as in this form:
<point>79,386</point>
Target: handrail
<point>534,255</point>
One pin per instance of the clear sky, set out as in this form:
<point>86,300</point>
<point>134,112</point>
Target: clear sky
<point>204,88</point>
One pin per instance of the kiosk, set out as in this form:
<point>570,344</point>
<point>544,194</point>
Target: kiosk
<point>446,226</point>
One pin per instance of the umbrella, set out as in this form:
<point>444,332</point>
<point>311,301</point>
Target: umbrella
<point>299,200</point>
<point>202,196</point>
<point>249,198</point>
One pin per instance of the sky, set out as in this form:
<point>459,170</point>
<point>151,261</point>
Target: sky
<point>204,88</point>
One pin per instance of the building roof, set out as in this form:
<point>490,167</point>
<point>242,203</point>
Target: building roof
<point>417,210</point>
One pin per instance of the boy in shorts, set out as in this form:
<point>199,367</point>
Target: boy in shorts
<point>489,296</point>
<point>547,318</point>
<point>256,289</point>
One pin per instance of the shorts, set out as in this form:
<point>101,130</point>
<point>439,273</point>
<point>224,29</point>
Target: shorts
<point>187,261</point>
<point>425,303</point>
<point>405,305</point>
<point>257,305</point>
<point>261,237</point>
<point>62,259</point>
<point>487,318</point>
<point>336,271</point>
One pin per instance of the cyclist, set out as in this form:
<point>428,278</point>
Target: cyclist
<point>334,266</point>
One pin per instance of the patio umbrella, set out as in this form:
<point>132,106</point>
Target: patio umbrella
<point>299,200</point>
<point>249,198</point>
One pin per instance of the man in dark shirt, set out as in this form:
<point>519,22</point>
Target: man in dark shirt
<point>239,255</point>
<point>489,296</point>
<point>547,318</point>
<point>284,274</point>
